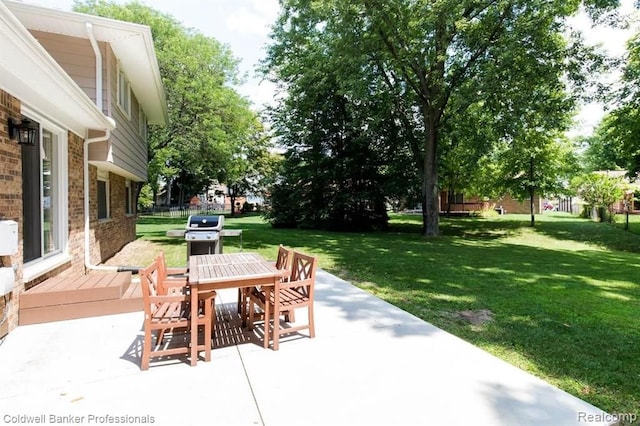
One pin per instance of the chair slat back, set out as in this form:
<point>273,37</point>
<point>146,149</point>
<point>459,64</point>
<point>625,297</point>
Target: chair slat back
<point>162,269</point>
<point>303,272</point>
<point>283,262</point>
<point>149,278</point>
<point>162,274</point>
<point>284,257</point>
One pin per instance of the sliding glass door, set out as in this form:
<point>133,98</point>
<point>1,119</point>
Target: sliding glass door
<point>42,194</point>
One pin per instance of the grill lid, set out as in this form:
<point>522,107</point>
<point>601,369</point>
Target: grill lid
<point>205,223</point>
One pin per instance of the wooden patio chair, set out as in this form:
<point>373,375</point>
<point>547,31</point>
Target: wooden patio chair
<point>175,280</point>
<point>295,293</point>
<point>283,263</point>
<point>171,311</point>
<point>171,280</point>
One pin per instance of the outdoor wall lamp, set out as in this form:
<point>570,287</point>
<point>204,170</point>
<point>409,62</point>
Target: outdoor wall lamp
<point>26,132</point>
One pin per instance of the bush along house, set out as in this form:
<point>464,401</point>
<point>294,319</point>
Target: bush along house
<point>76,95</point>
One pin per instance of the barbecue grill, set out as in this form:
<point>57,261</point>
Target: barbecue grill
<point>202,234</point>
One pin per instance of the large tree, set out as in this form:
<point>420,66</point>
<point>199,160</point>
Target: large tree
<point>618,136</point>
<point>439,57</point>
<point>604,149</point>
<point>211,127</point>
<point>332,176</point>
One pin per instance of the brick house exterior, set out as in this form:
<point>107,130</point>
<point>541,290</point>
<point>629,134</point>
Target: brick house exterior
<point>84,128</point>
<point>10,200</point>
<point>460,203</point>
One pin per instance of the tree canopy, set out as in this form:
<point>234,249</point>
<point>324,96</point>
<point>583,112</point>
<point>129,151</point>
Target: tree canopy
<point>423,80</point>
<point>617,139</point>
<point>212,131</point>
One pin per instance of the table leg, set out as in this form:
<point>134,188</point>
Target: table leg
<point>194,326</point>
<point>267,316</point>
<point>243,308</point>
<point>276,314</point>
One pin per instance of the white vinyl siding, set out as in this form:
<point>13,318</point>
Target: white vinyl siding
<point>128,148</point>
<point>124,93</point>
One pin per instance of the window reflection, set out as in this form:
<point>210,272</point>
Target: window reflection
<point>49,194</point>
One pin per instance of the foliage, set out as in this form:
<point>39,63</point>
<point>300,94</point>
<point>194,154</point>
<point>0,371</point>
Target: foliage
<point>600,190</point>
<point>145,198</point>
<point>333,175</point>
<point>539,164</point>
<point>620,130</point>
<point>251,169</point>
<point>463,154</point>
<point>210,125</point>
<point>422,69</point>
<point>603,149</point>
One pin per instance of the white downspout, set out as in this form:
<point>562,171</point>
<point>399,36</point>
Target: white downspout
<point>96,51</point>
<point>87,142</point>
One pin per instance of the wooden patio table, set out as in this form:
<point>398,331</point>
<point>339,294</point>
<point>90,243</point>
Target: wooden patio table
<point>220,271</point>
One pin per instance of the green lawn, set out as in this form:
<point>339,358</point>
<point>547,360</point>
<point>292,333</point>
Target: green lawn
<point>564,296</point>
<point>634,222</point>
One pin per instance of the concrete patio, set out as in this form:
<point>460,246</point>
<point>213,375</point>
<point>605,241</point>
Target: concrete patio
<point>370,364</point>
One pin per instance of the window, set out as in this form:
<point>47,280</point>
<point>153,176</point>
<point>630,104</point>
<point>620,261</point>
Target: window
<point>103,194</point>
<point>44,194</point>
<point>129,198</point>
<point>457,198</point>
<point>142,124</point>
<point>124,93</point>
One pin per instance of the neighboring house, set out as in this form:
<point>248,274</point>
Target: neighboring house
<point>458,203</point>
<point>620,206</point>
<point>576,205</point>
<point>92,85</point>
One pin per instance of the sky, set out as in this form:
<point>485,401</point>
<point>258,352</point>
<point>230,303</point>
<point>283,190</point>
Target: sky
<point>243,25</point>
<point>612,40</point>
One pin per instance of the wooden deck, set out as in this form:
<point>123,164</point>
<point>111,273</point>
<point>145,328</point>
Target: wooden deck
<point>96,294</point>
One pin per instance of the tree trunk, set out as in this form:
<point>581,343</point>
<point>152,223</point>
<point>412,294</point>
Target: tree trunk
<point>168,194</point>
<point>532,206</point>
<point>430,207</point>
<point>181,200</point>
<point>531,194</point>
<point>232,199</point>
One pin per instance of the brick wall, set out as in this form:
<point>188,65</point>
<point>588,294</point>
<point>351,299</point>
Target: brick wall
<point>509,204</point>
<point>514,206</point>
<point>76,202</point>
<point>10,201</point>
<point>107,236</point>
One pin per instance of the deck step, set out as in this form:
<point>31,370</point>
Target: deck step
<point>90,295</point>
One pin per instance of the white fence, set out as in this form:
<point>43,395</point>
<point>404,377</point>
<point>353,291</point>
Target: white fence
<point>185,211</point>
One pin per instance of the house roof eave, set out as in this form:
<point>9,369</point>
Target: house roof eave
<point>132,44</point>
<point>30,74</point>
